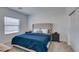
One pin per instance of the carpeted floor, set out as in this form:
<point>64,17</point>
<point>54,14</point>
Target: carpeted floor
<point>60,47</point>
<point>54,47</point>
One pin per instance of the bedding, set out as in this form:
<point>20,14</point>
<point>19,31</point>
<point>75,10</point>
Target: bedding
<point>34,41</point>
<point>35,30</point>
<point>45,31</point>
<point>40,30</point>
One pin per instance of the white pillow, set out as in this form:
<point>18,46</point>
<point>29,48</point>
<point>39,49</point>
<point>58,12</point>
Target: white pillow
<point>35,30</point>
<point>45,31</point>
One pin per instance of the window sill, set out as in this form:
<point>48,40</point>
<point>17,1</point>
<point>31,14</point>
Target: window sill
<point>11,33</point>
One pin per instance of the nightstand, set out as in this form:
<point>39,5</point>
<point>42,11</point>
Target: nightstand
<point>55,36</point>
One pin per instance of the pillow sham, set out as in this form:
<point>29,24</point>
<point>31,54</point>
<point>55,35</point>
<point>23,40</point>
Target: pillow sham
<point>45,31</point>
<point>35,30</point>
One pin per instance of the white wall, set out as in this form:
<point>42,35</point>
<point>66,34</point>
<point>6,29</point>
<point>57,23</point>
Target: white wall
<point>74,33</point>
<point>74,29</point>
<point>11,13</point>
<point>68,11</point>
<point>60,23</point>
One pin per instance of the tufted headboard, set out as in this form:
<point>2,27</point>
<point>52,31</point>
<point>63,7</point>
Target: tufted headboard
<point>48,26</point>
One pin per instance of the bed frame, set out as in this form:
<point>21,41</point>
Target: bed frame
<point>48,26</point>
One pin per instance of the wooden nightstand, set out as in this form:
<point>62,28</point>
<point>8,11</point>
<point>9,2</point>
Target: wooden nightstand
<point>55,36</point>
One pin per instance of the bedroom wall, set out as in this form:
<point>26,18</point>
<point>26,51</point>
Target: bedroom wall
<point>60,23</point>
<point>74,29</point>
<point>11,13</point>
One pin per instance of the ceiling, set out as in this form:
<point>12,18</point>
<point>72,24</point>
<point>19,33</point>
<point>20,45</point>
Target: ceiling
<point>55,11</point>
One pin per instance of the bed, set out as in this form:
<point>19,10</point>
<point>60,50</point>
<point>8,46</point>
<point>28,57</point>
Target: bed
<point>37,42</point>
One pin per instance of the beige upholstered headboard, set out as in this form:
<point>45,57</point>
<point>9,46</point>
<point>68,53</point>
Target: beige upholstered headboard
<point>48,26</point>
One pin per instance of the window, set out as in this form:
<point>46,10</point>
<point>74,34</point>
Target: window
<point>11,25</point>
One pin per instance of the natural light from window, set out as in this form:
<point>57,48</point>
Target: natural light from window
<point>11,25</point>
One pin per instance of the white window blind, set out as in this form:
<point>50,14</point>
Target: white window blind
<point>11,25</point>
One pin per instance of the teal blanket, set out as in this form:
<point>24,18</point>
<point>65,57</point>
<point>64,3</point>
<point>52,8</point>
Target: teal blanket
<point>34,41</point>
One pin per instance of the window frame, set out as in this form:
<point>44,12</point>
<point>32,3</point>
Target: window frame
<point>6,33</point>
